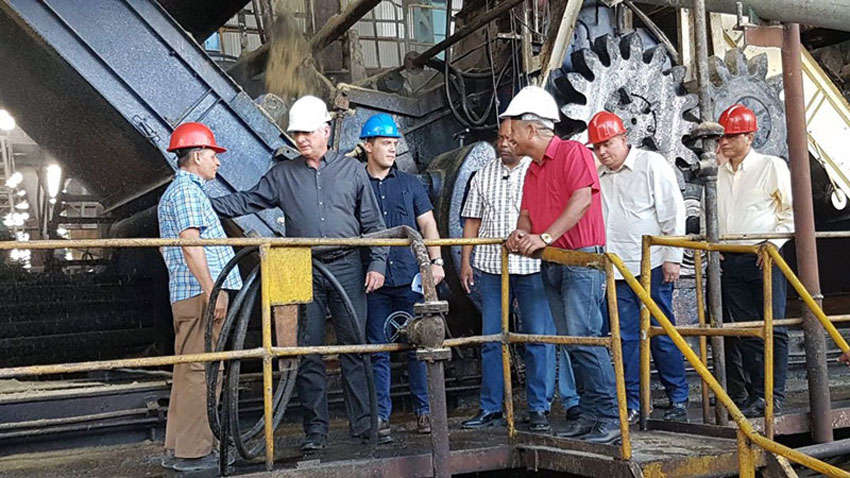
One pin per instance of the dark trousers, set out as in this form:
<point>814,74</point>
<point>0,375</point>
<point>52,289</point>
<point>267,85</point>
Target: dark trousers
<point>743,301</point>
<point>311,383</point>
<point>667,357</point>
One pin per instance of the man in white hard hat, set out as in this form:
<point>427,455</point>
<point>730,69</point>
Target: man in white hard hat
<point>561,207</point>
<point>323,194</point>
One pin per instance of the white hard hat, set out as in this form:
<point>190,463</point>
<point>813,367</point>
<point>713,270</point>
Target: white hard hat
<point>533,100</point>
<point>307,114</point>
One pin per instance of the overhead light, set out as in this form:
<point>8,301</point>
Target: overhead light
<point>7,123</point>
<point>15,179</point>
<point>54,177</point>
<point>61,231</point>
<point>22,192</point>
<point>22,205</point>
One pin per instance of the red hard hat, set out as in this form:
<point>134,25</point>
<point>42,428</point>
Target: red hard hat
<point>738,119</point>
<point>193,135</point>
<point>604,126</point>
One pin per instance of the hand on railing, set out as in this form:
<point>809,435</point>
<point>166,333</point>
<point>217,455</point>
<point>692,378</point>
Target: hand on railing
<point>845,357</point>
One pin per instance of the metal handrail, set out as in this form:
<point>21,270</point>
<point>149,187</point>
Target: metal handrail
<point>267,353</point>
<point>746,431</point>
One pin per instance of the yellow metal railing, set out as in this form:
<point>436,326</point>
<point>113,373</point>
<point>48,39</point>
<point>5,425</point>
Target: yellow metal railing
<point>267,352</point>
<point>764,329</point>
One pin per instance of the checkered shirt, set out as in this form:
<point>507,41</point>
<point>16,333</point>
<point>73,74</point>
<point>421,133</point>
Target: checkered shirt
<point>495,195</point>
<point>184,205</point>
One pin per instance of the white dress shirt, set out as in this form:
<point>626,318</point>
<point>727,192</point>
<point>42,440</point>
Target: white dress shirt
<point>495,195</point>
<point>641,198</point>
<point>755,199</point>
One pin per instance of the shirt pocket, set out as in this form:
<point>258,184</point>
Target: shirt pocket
<point>755,199</point>
<point>403,205</point>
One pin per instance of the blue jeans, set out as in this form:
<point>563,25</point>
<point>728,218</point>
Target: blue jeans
<point>575,296</point>
<point>668,359</point>
<point>565,378</point>
<point>382,303</point>
<point>535,315</point>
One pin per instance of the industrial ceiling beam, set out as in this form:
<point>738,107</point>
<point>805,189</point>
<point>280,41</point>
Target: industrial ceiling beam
<point>834,14</point>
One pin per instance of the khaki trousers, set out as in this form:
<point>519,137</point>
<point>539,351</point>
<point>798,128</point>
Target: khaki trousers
<point>187,430</point>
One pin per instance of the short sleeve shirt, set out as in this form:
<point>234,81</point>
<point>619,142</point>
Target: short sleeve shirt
<point>567,167</point>
<point>184,205</point>
<point>401,199</point>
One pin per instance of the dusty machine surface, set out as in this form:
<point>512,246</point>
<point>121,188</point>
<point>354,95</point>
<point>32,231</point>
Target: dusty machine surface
<point>99,90</point>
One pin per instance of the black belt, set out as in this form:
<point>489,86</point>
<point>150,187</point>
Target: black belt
<point>592,249</point>
<point>334,255</point>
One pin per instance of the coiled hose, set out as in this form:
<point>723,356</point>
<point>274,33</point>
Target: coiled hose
<point>249,441</point>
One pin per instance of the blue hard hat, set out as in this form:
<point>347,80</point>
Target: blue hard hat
<point>380,125</point>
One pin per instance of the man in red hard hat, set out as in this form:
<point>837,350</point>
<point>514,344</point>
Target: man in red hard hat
<point>641,196</point>
<point>753,197</point>
<point>185,212</point>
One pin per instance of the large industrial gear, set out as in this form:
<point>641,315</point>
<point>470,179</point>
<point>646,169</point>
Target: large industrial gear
<point>619,76</point>
<point>738,80</point>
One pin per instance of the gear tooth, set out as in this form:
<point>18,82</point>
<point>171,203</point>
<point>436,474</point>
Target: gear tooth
<point>592,62</point>
<point>631,46</point>
<point>655,57</point>
<point>578,82</point>
<point>737,61</point>
<point>719,71</point>
<point>689,102</point>
<point>757,66</point>
<point>677,74</point>
<point>607,48</point>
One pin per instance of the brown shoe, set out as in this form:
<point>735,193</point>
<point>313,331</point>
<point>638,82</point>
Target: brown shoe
<point>423,424</point>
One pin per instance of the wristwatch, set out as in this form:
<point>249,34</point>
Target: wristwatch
<point>547,239</point>
<point>438,261</point>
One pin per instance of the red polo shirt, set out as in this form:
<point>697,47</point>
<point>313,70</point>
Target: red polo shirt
<point>567,166</point>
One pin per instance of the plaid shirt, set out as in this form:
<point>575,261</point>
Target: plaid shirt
<point>495,194</point>
<point>184,205</point>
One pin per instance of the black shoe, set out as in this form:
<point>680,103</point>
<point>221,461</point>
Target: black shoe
<point>384,433</point>
<point>572,413</point>
<point>576,428</point>
<point>633,416</point>
<point>423,424</point>
<point>602,433</point>
<point>538,422</point>
<point>482,420</point>
<point>314,441</point>
<point>678,412</point>
<point>756,408</point>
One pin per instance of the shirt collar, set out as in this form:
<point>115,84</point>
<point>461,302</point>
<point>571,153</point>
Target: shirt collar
<point>191,176</point>
<point>629,162</point>
<point>552,148</point>
<point>744,164</point>
<point>393,172</point>
<point>519,165</point>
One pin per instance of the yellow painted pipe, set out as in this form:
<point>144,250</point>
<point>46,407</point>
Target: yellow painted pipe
<point>645,337</point>
<point>687,331</point>
<point>703,340</point>
<point>506,352</point>
<point>746,463</point>
<point>703,246</point>
<point>559,340</point>
<point>807,298</point>
<point>265,274</point>
<point>744,425</point>
<point>767,291</point>
<point>617,356</point>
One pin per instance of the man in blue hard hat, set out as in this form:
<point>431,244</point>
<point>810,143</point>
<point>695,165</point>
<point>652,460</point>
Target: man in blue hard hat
<point>402,201</point>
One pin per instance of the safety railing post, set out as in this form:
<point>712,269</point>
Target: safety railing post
<point>506,352</point>
<point>746,463</point>
<point>267,355</point>
<point>645,338</point>
<point>617,356</point>
<point>703,340</point>
<point>767,288</point>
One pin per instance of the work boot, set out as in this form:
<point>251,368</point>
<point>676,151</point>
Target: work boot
<point>572,413</point>
<point>208,462</point>
<point>678,412</point>
<point>423,424</point>
<point>576,428</point>
<point>538,421</point>
<point>482,420</point>
<point>756,408</point>
<point>384,433</point>
<point>314,442</point>
<point>602,433</point>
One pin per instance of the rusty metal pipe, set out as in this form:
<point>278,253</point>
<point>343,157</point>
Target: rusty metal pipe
<point>834,14</point>
<point>703,343</point>
<point>686,331</point>
<point>804,221</point>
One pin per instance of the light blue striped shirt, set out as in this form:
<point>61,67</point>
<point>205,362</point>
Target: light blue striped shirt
<point>183,206</point>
